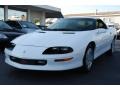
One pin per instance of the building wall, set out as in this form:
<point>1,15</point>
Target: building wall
<point>30,15</point>
<point>1,13</point>
<point>33,13</point>
<point>117,19</point>
<point>37,17</point>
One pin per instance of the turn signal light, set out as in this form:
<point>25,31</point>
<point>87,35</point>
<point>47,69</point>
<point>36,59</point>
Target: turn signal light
<point>62,60</point>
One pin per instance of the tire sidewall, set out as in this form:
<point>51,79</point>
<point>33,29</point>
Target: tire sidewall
<point>113,46</point>
<point>84,59</point>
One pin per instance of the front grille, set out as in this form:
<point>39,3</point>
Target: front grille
<point>28,61</point>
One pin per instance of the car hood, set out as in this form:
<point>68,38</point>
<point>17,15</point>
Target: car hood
<point>29,30</point>
<point>50,38</point>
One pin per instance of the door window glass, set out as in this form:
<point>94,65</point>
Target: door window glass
<point>101,24</point>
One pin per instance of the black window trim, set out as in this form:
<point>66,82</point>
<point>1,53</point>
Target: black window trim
<point>105,26</point>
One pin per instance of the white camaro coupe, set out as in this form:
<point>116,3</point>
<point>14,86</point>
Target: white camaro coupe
<point>68,43</point>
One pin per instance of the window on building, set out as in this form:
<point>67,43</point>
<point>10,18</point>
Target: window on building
<point>17,15</point>
<point>1,13</point>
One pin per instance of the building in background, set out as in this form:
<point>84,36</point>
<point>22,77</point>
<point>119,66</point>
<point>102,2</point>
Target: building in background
<point>33,13</point>
<point>108,17</point>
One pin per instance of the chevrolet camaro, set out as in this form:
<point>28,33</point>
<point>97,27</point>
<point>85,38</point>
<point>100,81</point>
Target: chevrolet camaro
<point>68,43</point>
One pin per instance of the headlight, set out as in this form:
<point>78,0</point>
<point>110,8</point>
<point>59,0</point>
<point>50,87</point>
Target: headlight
<point>3,36</point>
<point>10,46</point>
<point>58,50</point>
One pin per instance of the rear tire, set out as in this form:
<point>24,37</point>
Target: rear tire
<point>88,58</point>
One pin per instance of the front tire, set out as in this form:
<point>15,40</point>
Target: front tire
<point>112,49</point>
<point>88,58</point>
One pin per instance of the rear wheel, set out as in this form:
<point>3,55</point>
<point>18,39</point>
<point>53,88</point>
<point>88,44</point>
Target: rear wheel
<point>88,58</point>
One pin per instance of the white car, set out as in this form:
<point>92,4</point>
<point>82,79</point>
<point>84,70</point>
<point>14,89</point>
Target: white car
<point>116,26</point>
<point>68,43</point>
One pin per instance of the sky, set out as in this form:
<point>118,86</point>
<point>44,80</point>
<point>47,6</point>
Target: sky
<point>82,6</point>
<point>89,9</point>
<point>73,6</point>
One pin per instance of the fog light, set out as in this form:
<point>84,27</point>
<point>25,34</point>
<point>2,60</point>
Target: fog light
<point>12,58</point>
<point>41,62</point>
<point>62,60</point>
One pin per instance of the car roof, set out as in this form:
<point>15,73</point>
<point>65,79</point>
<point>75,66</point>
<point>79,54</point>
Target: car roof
<point>16,21</point>
<point>80,17</point>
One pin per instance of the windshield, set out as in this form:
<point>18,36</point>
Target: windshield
<point>73,24</point>
<point>28,25</point>
<point>3,25</point>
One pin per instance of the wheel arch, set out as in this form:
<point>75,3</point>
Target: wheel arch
<point>92,44</point>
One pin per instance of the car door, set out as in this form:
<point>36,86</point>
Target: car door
<point>102,36</point>
<point>107,36</point>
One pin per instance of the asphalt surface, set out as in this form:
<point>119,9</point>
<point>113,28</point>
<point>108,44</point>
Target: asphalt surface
<point>105,71</point>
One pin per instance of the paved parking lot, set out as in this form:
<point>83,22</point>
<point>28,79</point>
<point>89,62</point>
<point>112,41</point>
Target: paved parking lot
<point>106,70</point>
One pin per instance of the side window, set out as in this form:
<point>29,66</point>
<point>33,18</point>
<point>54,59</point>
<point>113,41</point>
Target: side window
<point>87,24</point>
<point>90,24</point>
<point>3,25</point>
<point>100,24</point>
<point>14,24</point>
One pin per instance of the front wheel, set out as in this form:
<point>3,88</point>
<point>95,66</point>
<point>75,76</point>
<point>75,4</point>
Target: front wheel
<point>112,49</point>
<point>88,59</point>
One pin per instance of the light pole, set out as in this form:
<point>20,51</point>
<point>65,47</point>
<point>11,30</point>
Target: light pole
<point>96,11</point>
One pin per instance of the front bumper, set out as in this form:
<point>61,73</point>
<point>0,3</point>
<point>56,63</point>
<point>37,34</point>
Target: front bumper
<point>51,65</point>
